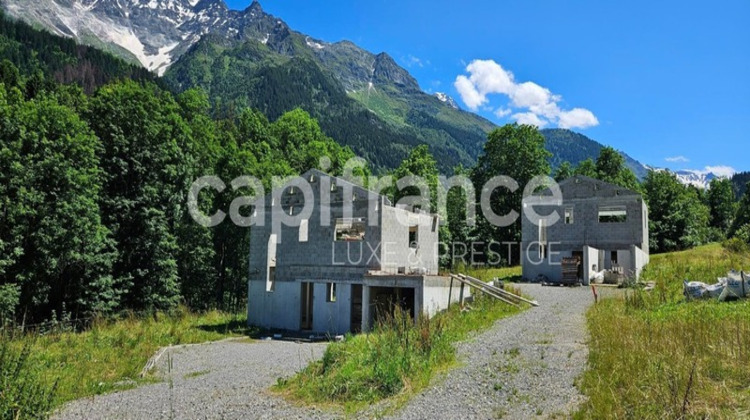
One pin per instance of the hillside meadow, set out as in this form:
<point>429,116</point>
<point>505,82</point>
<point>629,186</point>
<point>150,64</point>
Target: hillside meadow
<point>654,355</point>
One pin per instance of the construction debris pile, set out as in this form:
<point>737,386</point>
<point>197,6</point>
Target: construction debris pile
<point>735,285</point>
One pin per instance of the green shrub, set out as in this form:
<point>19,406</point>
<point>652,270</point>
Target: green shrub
<point>736,245</point>
<point>9,296</point>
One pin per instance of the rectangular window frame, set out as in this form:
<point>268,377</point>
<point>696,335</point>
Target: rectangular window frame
<point>612,214</point>
<point>569,215</point>
<point>414,236</point>
<point>331,292</point>
<point>350,229</point>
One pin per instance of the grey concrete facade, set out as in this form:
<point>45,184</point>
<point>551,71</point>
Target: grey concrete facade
<point>331,264</point>
<point>604,225</point>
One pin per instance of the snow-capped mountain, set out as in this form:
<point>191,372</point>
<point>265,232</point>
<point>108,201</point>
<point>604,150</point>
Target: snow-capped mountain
<point>446,99</point>
<point>152,32</point>
<point>697,178</point>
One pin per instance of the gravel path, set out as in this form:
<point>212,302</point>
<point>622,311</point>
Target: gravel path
<point>523,367</point>
<point>225,380</point>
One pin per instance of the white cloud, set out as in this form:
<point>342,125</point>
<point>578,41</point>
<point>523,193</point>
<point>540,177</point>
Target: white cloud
<point>469,94</point>
<point>577,117</point>
<point>679,158</point>
<point>530,118</point>
<point>486,77</point>
<point>721,170</point>
<point>502,112</point>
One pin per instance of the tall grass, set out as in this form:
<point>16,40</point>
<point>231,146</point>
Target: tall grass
<point>23,394</point>
<point>654,355</point>
<point>110,354</point>
<point>398,358</point>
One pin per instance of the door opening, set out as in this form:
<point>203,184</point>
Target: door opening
<point>306,311</point>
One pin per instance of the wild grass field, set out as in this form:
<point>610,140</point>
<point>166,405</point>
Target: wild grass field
<point>652,355</point>
<point>394,361</point>
<point>60,366</point>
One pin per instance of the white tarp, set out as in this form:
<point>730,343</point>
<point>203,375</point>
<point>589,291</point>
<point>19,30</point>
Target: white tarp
<point>735,285</point>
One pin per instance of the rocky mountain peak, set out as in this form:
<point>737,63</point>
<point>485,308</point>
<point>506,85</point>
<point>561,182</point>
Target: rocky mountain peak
<point>255,7</point>
<point>387,71</point>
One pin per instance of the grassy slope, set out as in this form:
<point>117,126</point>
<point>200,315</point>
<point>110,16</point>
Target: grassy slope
<point>396,360</point>
<point>110,355</point>
<point>653,355</point>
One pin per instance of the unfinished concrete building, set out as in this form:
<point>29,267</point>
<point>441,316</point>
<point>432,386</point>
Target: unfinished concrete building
<point>602,226</point>
<point>338,270</point>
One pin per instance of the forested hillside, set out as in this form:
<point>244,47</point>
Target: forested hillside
<point>59,59</point>
<point>574,148</point>
<point>251,75</point>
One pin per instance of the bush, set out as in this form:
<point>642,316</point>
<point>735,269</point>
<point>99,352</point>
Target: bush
<point>743,233</point>
<point>24,395</point>
<point>736,245</point>
<point>9,296</point>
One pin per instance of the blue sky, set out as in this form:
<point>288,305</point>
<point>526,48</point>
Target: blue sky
<point>658,81</point>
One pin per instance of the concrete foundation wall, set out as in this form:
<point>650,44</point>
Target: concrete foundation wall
<point>278,309</point>
<point>332,317</point>
<point>436,295</point>
<point>641,259</point>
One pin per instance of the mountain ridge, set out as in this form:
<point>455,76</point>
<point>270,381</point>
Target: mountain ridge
<point>251,58</point>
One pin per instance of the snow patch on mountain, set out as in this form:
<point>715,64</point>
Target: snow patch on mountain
<point>446,99</point>
<point>312,44</point>
<point>695,177</point>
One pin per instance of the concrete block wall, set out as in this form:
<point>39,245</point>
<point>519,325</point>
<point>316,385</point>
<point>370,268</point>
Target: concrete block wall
<point>585,196</point>
<point>321,259</point>
<point>396,251</point>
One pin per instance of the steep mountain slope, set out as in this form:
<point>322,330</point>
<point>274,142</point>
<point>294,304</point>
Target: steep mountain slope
<point>227,51</point>
<point>566,145</point>
<point>61,59</point>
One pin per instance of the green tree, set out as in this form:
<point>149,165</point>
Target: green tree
<point>516,151</point>
<point>564,171</point>
<point>587,168</point>
<point>678,219</point>
<point>742,217</point>
<point>146,170</point>
<point>610,167</point>
<point>722,203</point>
<point>420,163</point>
<point>299,136</point>
<point>55,249</point>
<point>9,75</point>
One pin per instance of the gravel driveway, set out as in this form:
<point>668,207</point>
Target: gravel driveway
<point>225,380</point>
<point>522,367</point>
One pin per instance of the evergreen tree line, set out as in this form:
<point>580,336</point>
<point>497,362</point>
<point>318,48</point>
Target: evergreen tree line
<point>44,58</point>
<point>93,190</point>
